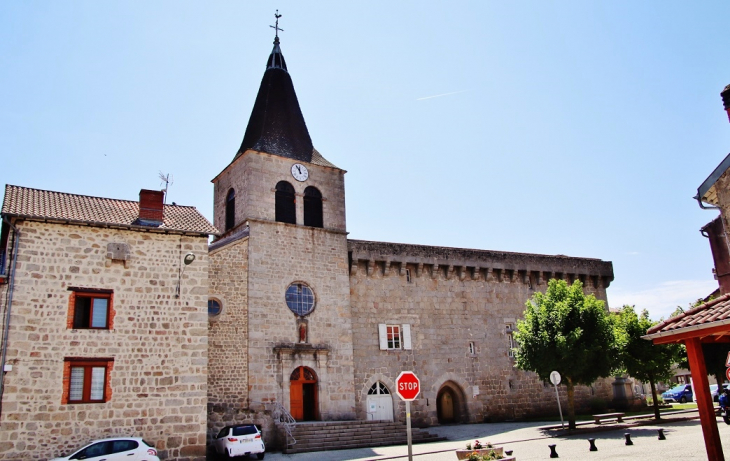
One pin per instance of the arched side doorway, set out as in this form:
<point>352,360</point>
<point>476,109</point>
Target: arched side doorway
<point>450,404</point>
<point>380,403</point>
<point>303,394</point>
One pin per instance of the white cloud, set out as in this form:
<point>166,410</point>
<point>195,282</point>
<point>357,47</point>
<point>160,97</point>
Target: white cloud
<point>661,300</point>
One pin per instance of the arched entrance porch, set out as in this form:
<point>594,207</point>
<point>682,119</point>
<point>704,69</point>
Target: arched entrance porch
<point>450,404</point>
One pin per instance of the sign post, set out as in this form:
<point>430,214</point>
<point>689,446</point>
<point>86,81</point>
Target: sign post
<point>407,386</point>
<point>555,379</point>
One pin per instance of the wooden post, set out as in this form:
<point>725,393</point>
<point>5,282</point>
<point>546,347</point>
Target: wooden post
<point>701,388</point>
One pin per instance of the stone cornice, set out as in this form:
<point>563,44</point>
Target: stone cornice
<point>462,264</point>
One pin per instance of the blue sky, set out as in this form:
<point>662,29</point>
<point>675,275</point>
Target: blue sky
<point>577,128</point>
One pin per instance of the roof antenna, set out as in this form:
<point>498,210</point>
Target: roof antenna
<point>167,179</point>
<point>276,27</point>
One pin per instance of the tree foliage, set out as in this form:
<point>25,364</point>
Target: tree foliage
<point>640,358</point>
<point>567,331</point>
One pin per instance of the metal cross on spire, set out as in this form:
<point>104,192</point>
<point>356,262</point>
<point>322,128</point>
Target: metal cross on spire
<point>276,27</point>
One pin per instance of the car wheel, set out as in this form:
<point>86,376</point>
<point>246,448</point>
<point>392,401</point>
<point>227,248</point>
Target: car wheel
<point>260,455</point>
<point>683,399</point>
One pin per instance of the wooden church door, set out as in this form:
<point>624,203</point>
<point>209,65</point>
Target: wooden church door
<point>303,394</point>
<point>445,406</point>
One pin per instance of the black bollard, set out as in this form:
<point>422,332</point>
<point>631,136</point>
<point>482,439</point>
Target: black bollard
<point>628,439</point>
<point>553,453</point>
<point>661,434</point>
<point>593,444</point>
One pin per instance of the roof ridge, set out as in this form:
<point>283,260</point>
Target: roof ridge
<point>75,195</point>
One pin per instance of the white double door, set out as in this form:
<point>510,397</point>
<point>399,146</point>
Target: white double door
<point>380,407</point>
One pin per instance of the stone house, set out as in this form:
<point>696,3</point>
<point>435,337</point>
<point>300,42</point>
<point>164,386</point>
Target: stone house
<point>105,324</point>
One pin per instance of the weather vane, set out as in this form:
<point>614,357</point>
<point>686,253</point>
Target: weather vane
<point>276,27</point>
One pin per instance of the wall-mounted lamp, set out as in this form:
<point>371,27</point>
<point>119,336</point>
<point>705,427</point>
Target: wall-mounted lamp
<point>187,260</point>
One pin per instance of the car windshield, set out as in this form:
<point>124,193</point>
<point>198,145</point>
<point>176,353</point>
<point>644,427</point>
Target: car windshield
<point>244,430</point>
<point>677,388</point>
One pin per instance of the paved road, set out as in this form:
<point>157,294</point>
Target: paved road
<point>683,441</point>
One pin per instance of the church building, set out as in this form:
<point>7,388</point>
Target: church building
<point>321,325</point>
<point>106,330</point>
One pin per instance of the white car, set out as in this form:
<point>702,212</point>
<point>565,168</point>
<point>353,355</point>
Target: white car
<point>115,449</point>
<point>240,440</point>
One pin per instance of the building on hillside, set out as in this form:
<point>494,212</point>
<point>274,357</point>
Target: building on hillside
<point>311,322</point>
<point>105,323</point>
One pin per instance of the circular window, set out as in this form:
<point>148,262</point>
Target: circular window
<point>214,307</point>
<point>300,299</point>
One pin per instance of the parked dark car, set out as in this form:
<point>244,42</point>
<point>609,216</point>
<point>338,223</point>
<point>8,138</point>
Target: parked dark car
<point>681,394</point>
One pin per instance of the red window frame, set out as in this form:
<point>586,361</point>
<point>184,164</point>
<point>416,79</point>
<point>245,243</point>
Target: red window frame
<point>91,294</point>
<point>394,336</point>
<point>87,365</point>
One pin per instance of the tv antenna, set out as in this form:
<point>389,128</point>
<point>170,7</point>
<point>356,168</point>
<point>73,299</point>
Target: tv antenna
<point>167,180</point>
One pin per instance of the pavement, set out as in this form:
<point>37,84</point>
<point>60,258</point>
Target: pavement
<point>529,441</point>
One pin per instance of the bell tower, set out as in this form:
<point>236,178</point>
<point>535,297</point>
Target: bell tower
<point>281,268</point>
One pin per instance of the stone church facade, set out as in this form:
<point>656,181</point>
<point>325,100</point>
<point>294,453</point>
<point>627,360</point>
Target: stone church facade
<point>301,320</point>
<point>320,325</point>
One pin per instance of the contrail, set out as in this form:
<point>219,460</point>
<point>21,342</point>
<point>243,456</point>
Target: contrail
<point>439,95</point>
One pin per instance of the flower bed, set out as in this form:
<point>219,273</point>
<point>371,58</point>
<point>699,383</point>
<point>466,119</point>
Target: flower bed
<point>482,452</point>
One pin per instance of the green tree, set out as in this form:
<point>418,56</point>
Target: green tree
<point>566,331</point>
<point>640,358</point>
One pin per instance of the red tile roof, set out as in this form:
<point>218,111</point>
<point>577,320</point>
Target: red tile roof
<point>703,316</point>
<point>36,204</point>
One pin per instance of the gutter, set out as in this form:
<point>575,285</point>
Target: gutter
<point>704,326</point>
<point>710,181</point>
<point>6,326</point>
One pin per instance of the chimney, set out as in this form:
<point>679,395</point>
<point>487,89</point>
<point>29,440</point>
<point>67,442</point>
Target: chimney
<point>150,207</point>
<point>725,94</point>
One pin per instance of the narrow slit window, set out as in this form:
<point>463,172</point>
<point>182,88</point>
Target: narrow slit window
<point>230,209</point>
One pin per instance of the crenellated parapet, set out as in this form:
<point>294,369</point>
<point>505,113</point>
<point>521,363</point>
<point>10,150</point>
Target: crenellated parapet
<point>397,259</point>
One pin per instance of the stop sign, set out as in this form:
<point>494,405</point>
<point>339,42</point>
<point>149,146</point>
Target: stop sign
<point>407,386</point>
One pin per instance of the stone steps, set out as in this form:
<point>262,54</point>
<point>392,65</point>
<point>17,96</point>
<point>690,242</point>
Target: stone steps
<point>342,435</point>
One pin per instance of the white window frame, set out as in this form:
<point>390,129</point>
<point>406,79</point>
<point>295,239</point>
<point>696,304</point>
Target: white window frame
<point>509,329</point>
<point>403,339</point>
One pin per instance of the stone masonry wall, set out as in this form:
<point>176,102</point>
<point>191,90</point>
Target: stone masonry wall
<point>456,297</point>
<point>281,254</point>
<point>158,342</point>
<point>254,176</point>
<point>228,337</point>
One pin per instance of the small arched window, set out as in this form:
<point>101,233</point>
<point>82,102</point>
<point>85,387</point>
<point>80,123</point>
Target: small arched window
<point>313,207</point>
<point>285,208</point>
<point>230,209</point>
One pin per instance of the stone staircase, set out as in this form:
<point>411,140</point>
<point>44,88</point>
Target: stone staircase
<point>342,435</point>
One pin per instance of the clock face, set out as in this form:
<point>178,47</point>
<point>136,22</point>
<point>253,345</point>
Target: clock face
<point>299,172</point>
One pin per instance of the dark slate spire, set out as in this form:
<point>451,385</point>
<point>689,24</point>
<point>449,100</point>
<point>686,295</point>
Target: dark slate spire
<point>276,125</point>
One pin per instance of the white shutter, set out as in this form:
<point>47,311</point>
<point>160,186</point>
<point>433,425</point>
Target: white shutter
<point>406,336</point>
<point>383,335</point>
